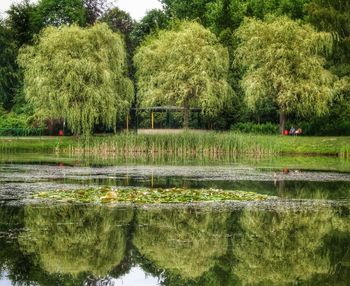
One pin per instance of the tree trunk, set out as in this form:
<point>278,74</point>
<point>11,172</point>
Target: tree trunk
<point>282,122</point>
<point>186,118</point>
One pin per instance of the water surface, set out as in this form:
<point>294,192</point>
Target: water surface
<point>303,238</point>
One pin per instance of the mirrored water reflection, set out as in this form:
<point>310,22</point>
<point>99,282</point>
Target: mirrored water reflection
<point>301,239</point>
<point>96,245</point>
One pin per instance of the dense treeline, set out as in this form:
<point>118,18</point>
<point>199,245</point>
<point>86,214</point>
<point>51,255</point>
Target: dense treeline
<point>244,62</point>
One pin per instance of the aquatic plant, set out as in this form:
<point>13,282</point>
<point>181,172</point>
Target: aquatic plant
<point>148,196</point>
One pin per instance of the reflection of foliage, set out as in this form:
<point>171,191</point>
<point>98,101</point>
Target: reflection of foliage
<point>183,241</point>
<point>315,190</point>
<point>283,246</point>
<point>76,239</point>
<point>11,220</point>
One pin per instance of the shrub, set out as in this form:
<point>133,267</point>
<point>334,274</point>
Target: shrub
<point>12,124</point>
<point>251,127</point>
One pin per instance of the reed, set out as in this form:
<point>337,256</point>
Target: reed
<point>184,145</point>
<point>187,144</point>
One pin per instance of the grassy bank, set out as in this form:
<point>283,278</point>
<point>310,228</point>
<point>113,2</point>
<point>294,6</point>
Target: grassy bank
<point>208,144</point>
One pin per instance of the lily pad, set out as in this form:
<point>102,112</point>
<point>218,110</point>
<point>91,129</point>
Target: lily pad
<point>149,196</point>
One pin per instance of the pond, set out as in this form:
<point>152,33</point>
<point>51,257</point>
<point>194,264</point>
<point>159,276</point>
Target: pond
<point>301,238</point>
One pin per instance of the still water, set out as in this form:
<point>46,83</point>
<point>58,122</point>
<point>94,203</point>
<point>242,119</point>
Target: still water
<point>303,238</point>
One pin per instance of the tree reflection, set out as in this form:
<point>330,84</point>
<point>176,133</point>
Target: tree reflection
<point>282,246</point>
<point>316,190</point>
<point>76,239</point>
<point>183,241</point>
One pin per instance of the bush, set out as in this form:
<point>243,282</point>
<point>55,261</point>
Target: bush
<point>13,124</point>
<point>251,127</point>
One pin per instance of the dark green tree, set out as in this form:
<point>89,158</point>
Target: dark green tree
<point>153,21</point>
<point>334,17</point>
<point>119,21</point>
<point>61,12</point>
<point>24,22</point>
<point>94,10</point>
<point>8,67</point>
<point>183,9</point>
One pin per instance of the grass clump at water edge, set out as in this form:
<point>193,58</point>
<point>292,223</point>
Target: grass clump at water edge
<point>148,196</point>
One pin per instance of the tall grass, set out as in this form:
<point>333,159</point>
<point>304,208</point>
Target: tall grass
<point>188,144</point>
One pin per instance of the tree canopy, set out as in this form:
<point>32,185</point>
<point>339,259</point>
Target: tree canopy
<point>79,75</point>
<point>8,66</point>
<point>186,67</point>
<point>283,61</point>
<point>60,12</point>
<point>26,20</point>
<point>153,21</point>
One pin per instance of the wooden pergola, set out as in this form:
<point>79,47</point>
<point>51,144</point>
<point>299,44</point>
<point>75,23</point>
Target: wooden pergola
<point>157,109</point>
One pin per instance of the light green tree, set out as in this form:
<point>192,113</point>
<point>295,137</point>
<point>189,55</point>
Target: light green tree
<point>283,61</point>
<point>186,67</point>
<point>79,75</point>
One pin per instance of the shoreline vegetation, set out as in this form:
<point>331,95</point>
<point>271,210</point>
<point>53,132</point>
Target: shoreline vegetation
<point>188,144</point>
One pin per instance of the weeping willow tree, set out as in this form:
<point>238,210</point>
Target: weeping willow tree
<point>186,67</point>
<point>283,61</point>
<point>283,246</point>
<point>72,240</point>
<point>183,242</point>
<point>79,75</point>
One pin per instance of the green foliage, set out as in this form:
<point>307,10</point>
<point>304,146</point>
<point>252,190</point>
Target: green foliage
<point>183,9</point>
<point>182,241</point>
<point>283,246</point>
<point>121,22</point>
<point>149,196</point>
<point>94,9</point>
<point>8,67</point>
<point>153,21</point>
<point>249,127</point>
<point>13,121</point>
<point>185,67</point>
<point>334,17</point>
<point>24,21</point>
<point>222,14</point>
<point>283,61</point>
<point>76,239</point>
<point>118,21</point>
<point>291,8</point>
<point>61,12</point>
<point>78,75</point>
<point>13,124</point>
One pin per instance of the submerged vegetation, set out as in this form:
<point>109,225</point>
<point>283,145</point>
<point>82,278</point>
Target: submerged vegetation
<point>148,196</point>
